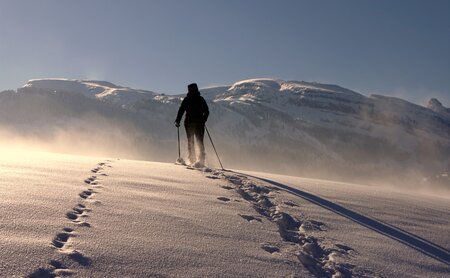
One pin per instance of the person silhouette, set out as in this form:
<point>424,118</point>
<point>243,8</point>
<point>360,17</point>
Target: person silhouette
<point>197,113</point>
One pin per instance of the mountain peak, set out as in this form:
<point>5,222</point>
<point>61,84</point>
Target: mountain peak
<point>435,105</point>
<point>262,84</point>
<point>87,88</point>
<point>102,90</point>
<point>258,83</point>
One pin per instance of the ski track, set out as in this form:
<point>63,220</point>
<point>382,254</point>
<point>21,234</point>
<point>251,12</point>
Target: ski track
<point>77,217</point>
<point>296,238</point>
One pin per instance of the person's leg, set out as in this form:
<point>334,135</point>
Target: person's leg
<point>199,134</point>
<point>190,132</point>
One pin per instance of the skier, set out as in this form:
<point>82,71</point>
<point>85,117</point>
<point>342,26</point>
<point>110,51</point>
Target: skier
<point>197,113</point>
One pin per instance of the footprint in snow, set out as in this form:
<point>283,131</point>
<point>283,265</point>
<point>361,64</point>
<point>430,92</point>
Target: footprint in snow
<point>77,212</point>
<point>86,194</point>
<point>80,258</point>
<point>250,218</point>
<point>60,240</point>
<point>90,180</point>
<point>291,204</point>
<point>270,248</point>
<point>72,215</point>
<point>312,225</point>
<point>42,273</point>
<point>343,248</point>
<point>96,169</point>
<point>59,269</point>
<point>56,264</point>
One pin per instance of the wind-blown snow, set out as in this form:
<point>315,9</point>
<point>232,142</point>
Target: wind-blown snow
<point>96,217</point>
<point>292,127</point>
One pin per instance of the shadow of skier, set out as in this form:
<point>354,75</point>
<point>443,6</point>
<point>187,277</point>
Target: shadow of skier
<point>420,244</point>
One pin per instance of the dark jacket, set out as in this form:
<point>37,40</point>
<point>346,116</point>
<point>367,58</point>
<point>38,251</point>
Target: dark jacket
<point>196,109</point>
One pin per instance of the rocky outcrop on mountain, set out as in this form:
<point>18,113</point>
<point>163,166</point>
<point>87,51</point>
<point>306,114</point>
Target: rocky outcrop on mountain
<point>436,106</point>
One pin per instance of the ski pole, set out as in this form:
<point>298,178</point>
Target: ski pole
<point>207,131</point>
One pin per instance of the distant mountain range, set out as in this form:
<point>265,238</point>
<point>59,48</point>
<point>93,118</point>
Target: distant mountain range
<point>291,127</point>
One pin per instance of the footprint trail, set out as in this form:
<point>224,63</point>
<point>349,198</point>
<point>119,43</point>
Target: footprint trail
<point>77,216</point>
<point>298,233</point>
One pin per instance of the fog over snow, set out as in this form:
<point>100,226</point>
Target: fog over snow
<point>290,127</point>
<point>320,181</point>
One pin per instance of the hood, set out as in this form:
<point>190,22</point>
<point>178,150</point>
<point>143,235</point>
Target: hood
<point>193,93</point>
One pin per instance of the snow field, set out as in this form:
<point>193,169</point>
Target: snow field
<point>96,217</point>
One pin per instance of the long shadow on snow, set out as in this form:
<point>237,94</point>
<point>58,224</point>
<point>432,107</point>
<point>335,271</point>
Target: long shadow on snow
<point>422,245</point>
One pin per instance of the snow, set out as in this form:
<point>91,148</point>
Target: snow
<point>102,90</point>
<point>97,217</point>
<point>293,127</point>
<point>65,85</point>
<point>394,233</point>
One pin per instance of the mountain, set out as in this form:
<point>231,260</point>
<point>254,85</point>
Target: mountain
<point>100,90</point>
<point>290,127</point>
<point>437,107</point>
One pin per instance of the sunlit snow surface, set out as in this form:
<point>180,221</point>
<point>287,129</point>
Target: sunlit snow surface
<point>290,127</point>
<point>105,217</point>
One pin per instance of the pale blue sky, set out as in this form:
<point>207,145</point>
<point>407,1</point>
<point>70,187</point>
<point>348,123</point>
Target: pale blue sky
<point>399,48</point>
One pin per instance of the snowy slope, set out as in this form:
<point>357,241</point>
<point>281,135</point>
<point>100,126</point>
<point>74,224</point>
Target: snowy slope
<point>97,217</point>
<point>101,90</point>
<point>294,127</point>
<point>387,229</point>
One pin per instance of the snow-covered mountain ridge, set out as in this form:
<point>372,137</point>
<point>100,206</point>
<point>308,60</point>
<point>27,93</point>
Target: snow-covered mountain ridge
<point>285,126</point>
<point>101,90</point>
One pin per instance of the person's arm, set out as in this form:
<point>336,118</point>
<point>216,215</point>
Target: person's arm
<point>205,111</point>
<point>181,111</point>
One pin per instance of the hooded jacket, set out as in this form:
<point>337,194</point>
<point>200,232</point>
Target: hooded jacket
<point>195,107</point>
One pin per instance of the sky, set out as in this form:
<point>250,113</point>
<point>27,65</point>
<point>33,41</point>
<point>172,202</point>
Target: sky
<point>399,48</point>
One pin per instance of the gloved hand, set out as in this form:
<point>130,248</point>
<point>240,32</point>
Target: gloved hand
<point>177,124</point>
